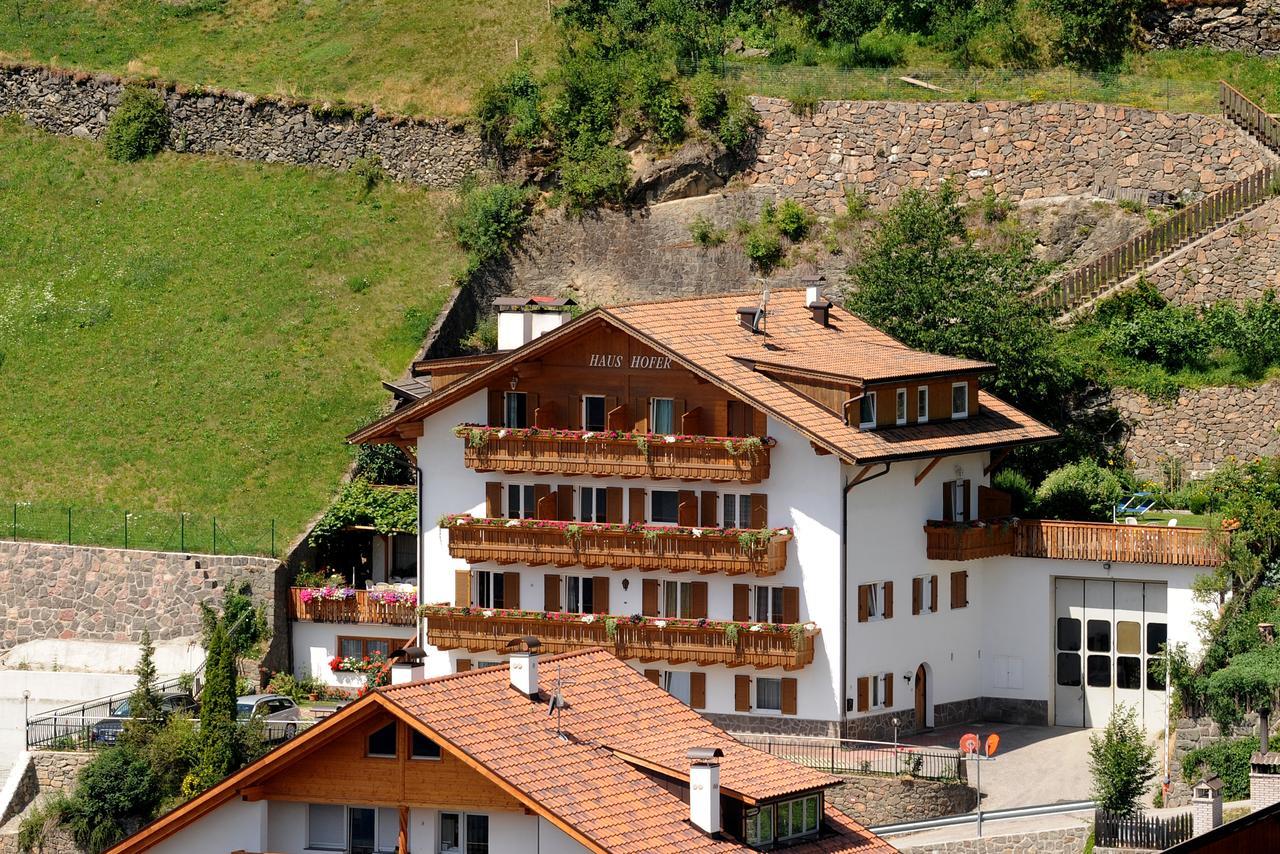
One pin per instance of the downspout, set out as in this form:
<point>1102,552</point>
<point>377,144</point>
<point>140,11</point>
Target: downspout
<point>844,591</point>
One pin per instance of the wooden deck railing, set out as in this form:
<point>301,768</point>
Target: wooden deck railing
<point>357,609</point>
<point>1120,543</point>
<point>479,540</point>
<point>1251,118</point>
<point>453,629</point>
<point>952,541</point>
<point>618,458</point>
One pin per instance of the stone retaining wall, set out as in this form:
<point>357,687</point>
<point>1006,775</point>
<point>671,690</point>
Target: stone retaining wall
<point>1238,261</point>
<point>875,801</point>
<point>57,770</point>
<point>1191,733</point>
<point>1021,150</point>
<point>431,152</point>
<point>1251,26</point>
<point>1067,840</point>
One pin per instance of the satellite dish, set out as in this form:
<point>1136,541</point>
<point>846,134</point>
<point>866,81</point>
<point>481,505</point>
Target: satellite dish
<point>556,702</point>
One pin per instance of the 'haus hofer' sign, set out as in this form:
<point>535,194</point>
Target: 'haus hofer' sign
<point>644,363</point>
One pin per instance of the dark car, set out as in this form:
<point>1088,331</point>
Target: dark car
<point>107,731</point>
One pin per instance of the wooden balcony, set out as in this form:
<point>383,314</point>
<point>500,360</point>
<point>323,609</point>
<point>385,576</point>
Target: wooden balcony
<point>463,628</point>
<point>653,458</point>
<point>1101,541</point>
<point>478,540</point>
<point>968,540</point>
<point>360,608</point>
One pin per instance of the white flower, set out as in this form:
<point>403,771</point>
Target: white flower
<point>662,624</point>
<point>587,435</point>
<point>697,532</point>
<point>668,439</point>
<point>756,628</point>
<point>487,614</point>
<point>502,434</point>
<point>513,523</point>
<point>810,626</point>
<point>588,618</point>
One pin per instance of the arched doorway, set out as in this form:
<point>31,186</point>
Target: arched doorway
<point>924,698</point>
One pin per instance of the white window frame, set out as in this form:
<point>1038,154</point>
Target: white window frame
<point>775,598</point>
<point>599,496</point>
<point>346,828</point>
<point>506,408</point>
<point>741,501</point>
<point>482,664</point>
<point>583,582</point>
<point>462,831</point>
<point>791,805</point>
<point>528,500</point>
<point>752,834</point>
<point>870,397</point>
<point>653,414</point>
<point>604,405</point>
<point>922,404</point>
<point>684,598</point>
<point>755,700</point>
<point>491,576</point>
<point>926,594</point>
<point>668,676</point>
<point>956,416</point>
<point>900,406</point>
<point>875,604</point>
<point>653,493</point>
<point>877,689</point>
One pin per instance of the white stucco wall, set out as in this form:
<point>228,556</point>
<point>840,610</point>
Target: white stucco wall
<point>235,826</point>
<point>315,645</point>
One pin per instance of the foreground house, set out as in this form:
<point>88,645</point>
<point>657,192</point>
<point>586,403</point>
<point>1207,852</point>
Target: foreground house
<point>475,763</point>
<point>778,513</point>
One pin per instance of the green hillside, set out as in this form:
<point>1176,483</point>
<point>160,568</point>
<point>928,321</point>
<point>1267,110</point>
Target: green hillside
<point>196,333</point>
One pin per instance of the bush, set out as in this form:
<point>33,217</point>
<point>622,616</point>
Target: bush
<point>793,220</point>
<point>804,101</point>
<point>172,752</point>
<point>994,208</point>
<point>488,219</point>
<point>1257,338</point>
<point>1094,34</point>
<point>1121,762</point>
<point>590,174</point>
<point>1229,760</point>
<point>384,465</point>
<point>1170,336</point>
<point>509,109</point>
<point>763,245</point>
<point>369,174</point>
<point>1082,491</point>
<point>738,124</point>
<point>846,20</point>
<point>295,689</point>
<point>705,232</point>
<point>1018,487</point>
<point>40,820</point>
<point>876,49</point>
<point>139,125</point>
<point>661,107</point>
<point>116,790</point>
<point>708,100</point>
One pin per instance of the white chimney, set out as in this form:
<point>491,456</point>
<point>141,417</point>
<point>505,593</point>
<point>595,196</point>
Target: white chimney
<point>1206,805</point>
<point>406,672</point>
<point>515,329</point>
<point>520,320</point>
<point>704,788</point>
<point>524,673</point>
<point>812,294</point>
<point>546,321</point>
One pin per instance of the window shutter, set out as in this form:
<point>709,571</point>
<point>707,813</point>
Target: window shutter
<point>697,690</point>
<point>649,597</point>
<point>864,693</point>
<point>791,604</point>
<point>698,607</point>
<point>710,503</point>
<point>635,497</point>
<point>462,665</point>
<point>551,592</point>
<point>864,602</point>
<point>788,696</point>
<point>758,425</point>
<point>652,675</point>
<point>759,510</point>
<point>741,693</point>
<point>511,590</point>
<point>888,600</point>
<point>948,507</point>
<point>691,422</point>
<point>964,484</point>
<point>642,406</point>
<point>493,500</point>
<point>462,588</point>
<point>564,502</point>
<point>959,588</point>
<point>933,594</point>
<point>613,505</point>
<point>917,595</point>
<point>544,415</point>
<point>600,594</point>
<point>616,419</point>
<point>888,691</point>
<point>741,603</point>
<point>544,502</point>
<point>573,415</point>
<point>496,415</point>
<point>687,514</point>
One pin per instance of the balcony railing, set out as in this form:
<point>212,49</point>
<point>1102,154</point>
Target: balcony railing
<point>616,454</point>
<point>968,540</point>
<point>362,606</point>
<point>674,641</point>
<point>700,550</point>
<point>1120,543</point>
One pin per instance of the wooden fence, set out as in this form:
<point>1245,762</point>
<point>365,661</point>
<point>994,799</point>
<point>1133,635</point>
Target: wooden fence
<point>1140,831</point>
<point>1101,541</point>
<point>1251,118</point>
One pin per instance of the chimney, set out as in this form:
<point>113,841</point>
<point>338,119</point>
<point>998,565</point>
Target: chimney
<point>521,320</point>
<point>406,665</point>
<point>524,665</point>
<point>1206,805</point>
<point>704,788</point>
<point>1264,767</point>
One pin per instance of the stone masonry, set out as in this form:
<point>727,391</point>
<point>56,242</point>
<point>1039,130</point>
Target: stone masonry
<point>430,152</point>
<point>1067,840</point>
<point>57,770</point>
<point>1021,150</point>
<point>1192,733</point>
<point>874,801</point>
<point>1238,261</point>
<point>1251,26</point>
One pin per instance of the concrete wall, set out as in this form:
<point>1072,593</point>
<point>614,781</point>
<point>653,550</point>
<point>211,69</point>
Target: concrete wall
<point>315,645</point>
<point>431,152</point>
<point>1251,26</point>
<point>235,826</point>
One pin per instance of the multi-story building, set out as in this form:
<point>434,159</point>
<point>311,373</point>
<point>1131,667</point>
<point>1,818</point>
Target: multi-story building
<point>778,513</point>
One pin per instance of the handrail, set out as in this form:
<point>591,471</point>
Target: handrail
<point>1104,541</point>
<point>1251,118</point>
<point>357,609</point>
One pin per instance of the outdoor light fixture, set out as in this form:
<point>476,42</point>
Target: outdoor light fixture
<point>906,677</point>
<point>515,380</point>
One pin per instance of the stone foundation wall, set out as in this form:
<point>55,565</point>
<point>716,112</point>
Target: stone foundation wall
<point>75,592</point>
<point>1239,261</point>
<point>1067,840</point>
<point>874,801</point>
<point>1191,733</point>
<point>57,770</point>
<point>430,152</point>
<point>775,725</point>
<point>1251,26</point>
<point>1021,150</point>
<point>1013,711</point>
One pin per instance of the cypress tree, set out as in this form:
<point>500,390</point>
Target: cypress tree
<point>219,741</point>
<point>144,703</point>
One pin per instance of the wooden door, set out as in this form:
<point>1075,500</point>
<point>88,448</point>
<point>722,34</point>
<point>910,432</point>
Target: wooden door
<point>922,694</point>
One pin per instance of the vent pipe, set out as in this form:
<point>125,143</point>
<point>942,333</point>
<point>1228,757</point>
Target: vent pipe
<point>704,788</point>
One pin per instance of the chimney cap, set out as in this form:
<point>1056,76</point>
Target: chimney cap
<point>1214,783</point>
<point>532,302</point>
<point>530,642</point>
<point>410,653</point>
<point>703,754</point>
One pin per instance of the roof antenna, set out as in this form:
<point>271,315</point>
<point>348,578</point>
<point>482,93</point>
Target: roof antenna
<point>557,702</point>
<point>764,305</point>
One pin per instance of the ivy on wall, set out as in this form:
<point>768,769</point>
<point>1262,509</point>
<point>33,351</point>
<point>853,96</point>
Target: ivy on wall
<point>361,503</point>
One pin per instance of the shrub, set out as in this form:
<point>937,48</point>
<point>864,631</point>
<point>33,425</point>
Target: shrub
<point>590,174</point>
<point>847,20</point>
<point>793,220</point>
<point>509,109</point>
<point>1018,487</point>
<point>763,245</point>
<point>368,173</point>
<point>483,338</point>
<point>1257,338</point>
<point>1229,760</point>
<point>172,752</point>
<point>488,219</point>
<point>139,125</point>
<point>1094,33</point>
<point>804,101</point>
<point>705,232</point>
<point>383,464</point>
<point>115,790</point>
<point>661,107</point>
<point>876,49</point>
<point>994,208</point>
<point>1082,491</point>
<point>40,820</point>
<point>738,124</point>
<point>296,689</point>
<point>1121,762</point>
<point>707,99</point>
<point>1169,336</point>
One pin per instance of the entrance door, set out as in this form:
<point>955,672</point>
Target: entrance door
<point>922,698</point>
<point>361,822</point>
<point>1068,688</point>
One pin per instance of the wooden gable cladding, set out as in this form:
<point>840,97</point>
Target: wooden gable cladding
<point>939,399</point>
<point>342,773</point>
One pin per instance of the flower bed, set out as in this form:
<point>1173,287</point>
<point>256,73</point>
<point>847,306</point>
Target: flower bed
<point>307,595</point>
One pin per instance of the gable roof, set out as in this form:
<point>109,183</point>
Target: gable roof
<point>703,335</point>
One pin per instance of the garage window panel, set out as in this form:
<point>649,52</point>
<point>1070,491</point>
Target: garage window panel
<point>1098,671</point>
<point>1098,635</point>
<point>1069,669</point>
<point>1128,637</point>
<point>1068,634</point>
<point>1129,672</point>
<point>1157,636</point>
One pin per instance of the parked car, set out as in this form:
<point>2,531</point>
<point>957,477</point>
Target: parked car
<point>107,731</point>
<point>279,714</point>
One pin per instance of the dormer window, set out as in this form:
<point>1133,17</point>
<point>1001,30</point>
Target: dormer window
<point>959,400</point>
<point>867,411</point>
<point>783,821</point>
<point>900,403</point>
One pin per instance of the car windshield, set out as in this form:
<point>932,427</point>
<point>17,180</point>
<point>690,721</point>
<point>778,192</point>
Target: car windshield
<point>122,710</point>
<point>244,711</point>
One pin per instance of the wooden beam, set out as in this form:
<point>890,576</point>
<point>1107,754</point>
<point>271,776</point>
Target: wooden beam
<point>819,450</point>
<point>996,460</point>
<point>409,447</point>
<point>865,470</point>
<point>402,840</point>
<point>927,469</point>
<point>411,429</point>
<point>253,793</point>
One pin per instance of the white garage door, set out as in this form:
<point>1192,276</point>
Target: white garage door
<point>1105,634</point>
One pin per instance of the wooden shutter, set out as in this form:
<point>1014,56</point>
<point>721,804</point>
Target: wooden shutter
<point>698,607</point>
<point>650,590</point>
<point>462,588</point>
<point>653,676</point>
<point>551,592</point>
<point>573,414</point>
<point>967,510</point>
<point>493,500</point>
<point>616,419</point>
<point>759,510</point>
<point>564,502</point>
<point>544,502</point>
<point>642,407</point>
<point>864,693</point>
<point>933,594</point>
<point>788,696</point>
<point>960,588</point>
<point>496,415</point>
<point>511,590</point>
<point>544,416</point>
<point>917,595</point>
<point>888,690</point>
<point>697,690</point>
<point>687,514</point>
<point>635,498</point>
<point>741,603</point>
<point>600,594</point>
<point>888,601</point>
<point>710,504</point>
<point>758,425</point>
<point>948,505</point>
<point>791,604</point>
<point>462,665</point>
<point>691,422</point>
<point>864,602</point>
<point>613,505</point>
<point>741,693</point>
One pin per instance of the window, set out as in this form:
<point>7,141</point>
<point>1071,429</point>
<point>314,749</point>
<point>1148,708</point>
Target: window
<point>365,647</point>
<point>798,817</point>
<point>482,664</point>
<point>382,743</point>
<point>768,604</point>
<point>489,589</point>
<point>362,828</point>
<point>867,410</point>
<point>662,415</point>
<point>678,685</point>
<point>579,595</point>
<point>879,685</point>
<point>960,589</point>
<point>924,584</point>
<point>515,409</point>
<point>1098,671</point>
<point>900,414</point>
<point>1157,635</point>
<point>593,412</point>
<point>768,695</point>
<point>873,601</point>
<point>388,830</point>
<point>955,501</point>
<point>326,826</point>
<point>960,400</point>
<point>335,827</point>
<point>1128,637</point>
<point>423,747</point>
<point>677,599</point>
<point>922,404</point>
<point>758,825</point>
<point>593,503</point>
<point>1128,672</point>
<point>1069,669</point>
<point>521,503</point>
<point>477,834</point>
<point>1098,636</point>
<point>737,511</point>
<point>664,506</point>
<point>1069,634</point>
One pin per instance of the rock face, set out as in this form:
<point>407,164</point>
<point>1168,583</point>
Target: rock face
<point>1022,151</point>
<point>430,152</point>
<point>1251,26</point>
<point>1239,261</point>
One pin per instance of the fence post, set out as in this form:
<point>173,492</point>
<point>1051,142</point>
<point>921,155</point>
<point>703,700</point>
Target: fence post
<point>126,530</point>
<point>182,531</point>
<point>273,537</point>
<point>15,521</point>
<point>833,759</point>
<point>215,535</point>
<point>68,526</point>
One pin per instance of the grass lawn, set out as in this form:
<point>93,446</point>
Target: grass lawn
<point>416,56</point>
<point>1185,520</point>
<point>196,334</point>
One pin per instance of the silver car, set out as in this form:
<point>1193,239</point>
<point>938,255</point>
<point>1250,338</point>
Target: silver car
<point>279,714</point>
